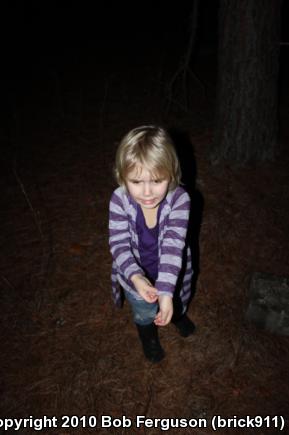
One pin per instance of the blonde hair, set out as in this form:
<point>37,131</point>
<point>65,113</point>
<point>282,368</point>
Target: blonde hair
<point>152,147</point>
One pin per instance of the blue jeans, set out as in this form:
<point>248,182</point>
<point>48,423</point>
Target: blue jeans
<point>144,313</point>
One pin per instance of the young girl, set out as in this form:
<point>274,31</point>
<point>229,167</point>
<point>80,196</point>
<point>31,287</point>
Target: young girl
<point>148,223</point>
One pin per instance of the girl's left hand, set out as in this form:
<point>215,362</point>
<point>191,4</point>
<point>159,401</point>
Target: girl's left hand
<point>144,288</point>
<point>166,310</point>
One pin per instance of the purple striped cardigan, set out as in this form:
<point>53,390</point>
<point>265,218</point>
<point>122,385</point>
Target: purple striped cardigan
<point>174,269</point>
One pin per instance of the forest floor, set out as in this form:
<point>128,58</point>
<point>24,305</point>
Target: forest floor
<point>65,349</point>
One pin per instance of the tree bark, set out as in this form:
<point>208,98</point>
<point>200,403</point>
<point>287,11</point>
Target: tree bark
<point>248,64</point>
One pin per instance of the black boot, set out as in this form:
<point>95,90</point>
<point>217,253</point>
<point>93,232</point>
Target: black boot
<point>184,326</point>
<point>150,342</point>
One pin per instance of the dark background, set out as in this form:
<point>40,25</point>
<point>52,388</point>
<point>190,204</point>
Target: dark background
<point>39,41</point>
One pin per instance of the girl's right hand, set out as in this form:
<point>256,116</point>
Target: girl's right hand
<point>144,288</point>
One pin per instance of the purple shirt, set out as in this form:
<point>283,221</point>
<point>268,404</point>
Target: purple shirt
<point>148,245</point>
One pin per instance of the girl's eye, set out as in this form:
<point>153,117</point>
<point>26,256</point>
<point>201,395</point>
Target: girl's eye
<point>157,181</point>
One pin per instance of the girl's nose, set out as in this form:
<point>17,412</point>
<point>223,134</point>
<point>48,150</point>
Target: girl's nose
<point>147,189</point>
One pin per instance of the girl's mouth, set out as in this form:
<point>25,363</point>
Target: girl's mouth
<point>148,201</point>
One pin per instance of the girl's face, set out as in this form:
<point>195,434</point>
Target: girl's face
<point>146,189</point>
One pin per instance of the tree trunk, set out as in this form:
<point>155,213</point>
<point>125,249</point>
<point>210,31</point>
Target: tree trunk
<point>246,114</point>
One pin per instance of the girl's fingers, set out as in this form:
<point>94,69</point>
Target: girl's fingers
<point>152,290</point>
<point>148,297</point>
<point>162,319</point>
<point>151,295</point>
<point>158,319</point>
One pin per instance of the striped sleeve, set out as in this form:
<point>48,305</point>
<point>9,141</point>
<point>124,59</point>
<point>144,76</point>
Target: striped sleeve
<point>171,254</point>
<point>120,238</point>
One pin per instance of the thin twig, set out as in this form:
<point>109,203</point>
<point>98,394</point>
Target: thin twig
<point>184,68</point>
<point>7,282</point>
<point>34,213</point>
<point>44,264</point>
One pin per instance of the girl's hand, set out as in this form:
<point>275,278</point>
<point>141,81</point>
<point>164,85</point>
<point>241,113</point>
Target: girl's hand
<point>165,313</point>
<point>144,288</point>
